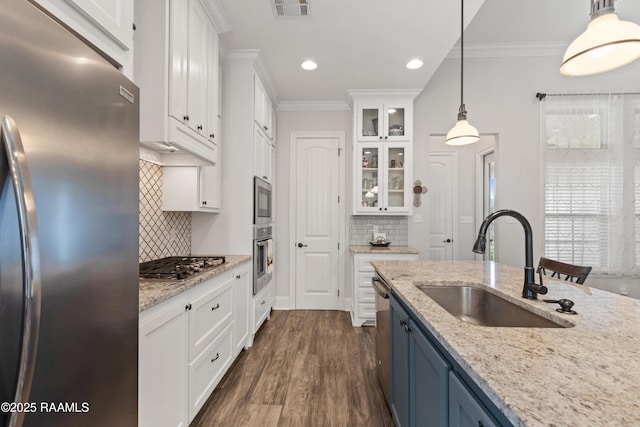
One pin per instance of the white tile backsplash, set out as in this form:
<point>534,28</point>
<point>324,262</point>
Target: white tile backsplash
<point>395,227</point>
<point>162,234</point>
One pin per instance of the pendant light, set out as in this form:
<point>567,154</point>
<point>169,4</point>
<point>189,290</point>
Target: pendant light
<point>462,133</point>
<point>607,43</point>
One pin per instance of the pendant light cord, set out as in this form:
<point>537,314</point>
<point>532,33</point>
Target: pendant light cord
<point>461,54</point>
<point>462,111</point>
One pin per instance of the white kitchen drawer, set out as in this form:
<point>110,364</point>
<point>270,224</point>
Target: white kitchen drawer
<point>207,371</point>
<point>366,294</point>
<point>210,313</point>
<point>367,310</point>
<point>261,307</point>
<point>364,279</point>
<point>365,265</point>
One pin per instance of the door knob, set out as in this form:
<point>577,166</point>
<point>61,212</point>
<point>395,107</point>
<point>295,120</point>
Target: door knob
<point>447,241</point>
<point>300,245</point>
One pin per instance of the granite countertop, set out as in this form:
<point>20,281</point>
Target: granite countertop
<point>588,374</point>
<point>153,292</point>
<point>368,249</point>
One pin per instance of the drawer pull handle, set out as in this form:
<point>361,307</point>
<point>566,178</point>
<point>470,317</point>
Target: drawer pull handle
<point>216,307</point>
<point>215,358</point>
<point>263,302</point>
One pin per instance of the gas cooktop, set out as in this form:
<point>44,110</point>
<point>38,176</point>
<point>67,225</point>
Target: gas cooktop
<point>179,268</point>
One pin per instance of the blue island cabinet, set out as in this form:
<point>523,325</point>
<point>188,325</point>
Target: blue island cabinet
<point>428,388</point>
<point>419,379</point>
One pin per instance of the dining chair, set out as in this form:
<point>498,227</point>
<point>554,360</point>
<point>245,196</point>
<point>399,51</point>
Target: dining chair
<point>563,270</point>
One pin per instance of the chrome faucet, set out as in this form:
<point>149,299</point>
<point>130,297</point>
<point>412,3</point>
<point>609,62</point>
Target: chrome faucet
<point>530,289</point>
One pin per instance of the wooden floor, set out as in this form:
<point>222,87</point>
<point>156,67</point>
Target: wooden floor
<point>306,368</point>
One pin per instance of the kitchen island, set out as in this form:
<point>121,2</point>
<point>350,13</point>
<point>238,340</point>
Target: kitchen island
<point>583,374</point>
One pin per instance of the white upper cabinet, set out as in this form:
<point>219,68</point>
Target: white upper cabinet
<point>108,24</point>
<point>383,178</point>
<point>385,121</point>
<point>178,79</point>
<point>263,108</point>
<point>191,188</point>
<point>383,151</point>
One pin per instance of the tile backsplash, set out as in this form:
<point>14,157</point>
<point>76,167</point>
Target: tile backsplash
<point>162,234</point>
<point>396,228</point>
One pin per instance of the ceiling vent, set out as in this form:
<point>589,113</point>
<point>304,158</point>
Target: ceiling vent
<point>290,8</point>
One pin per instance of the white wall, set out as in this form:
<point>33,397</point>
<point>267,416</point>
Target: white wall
<point>300,121</point>
<point>500,99</point>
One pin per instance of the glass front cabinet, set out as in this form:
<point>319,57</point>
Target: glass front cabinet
<point>389,121</point>
<point>383,178</point>
<point>383,151</point>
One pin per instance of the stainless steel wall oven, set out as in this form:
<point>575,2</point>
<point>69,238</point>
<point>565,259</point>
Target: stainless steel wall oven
<point>262,201</point>
<point>262,257</point>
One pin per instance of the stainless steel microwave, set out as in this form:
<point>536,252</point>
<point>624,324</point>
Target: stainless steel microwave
<point>262,201</point>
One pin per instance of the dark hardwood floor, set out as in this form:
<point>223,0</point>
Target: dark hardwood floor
<point>306,368</point>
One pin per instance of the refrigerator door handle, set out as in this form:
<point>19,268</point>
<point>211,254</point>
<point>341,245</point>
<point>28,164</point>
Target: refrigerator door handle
<point>21,180</point>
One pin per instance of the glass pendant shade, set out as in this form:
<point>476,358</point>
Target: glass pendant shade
<point>462,134</point>
<point>608,43</point>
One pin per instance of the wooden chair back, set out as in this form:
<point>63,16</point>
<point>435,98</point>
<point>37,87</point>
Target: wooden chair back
<point>559,269</point>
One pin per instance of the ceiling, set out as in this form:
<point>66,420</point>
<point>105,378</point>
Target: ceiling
<point>365,44</point>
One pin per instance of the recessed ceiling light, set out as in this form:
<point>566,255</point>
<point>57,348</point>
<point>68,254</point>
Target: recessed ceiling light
<point>414,64</point>
<point>309,65</point>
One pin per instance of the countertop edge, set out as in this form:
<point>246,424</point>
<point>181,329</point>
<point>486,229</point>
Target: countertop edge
<point>154,292</point>
<point>368,249</point>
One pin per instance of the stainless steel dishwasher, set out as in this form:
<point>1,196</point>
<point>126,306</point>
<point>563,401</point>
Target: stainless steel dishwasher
<point>383,331</point>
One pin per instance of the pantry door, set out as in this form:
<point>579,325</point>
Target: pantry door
<point>317,212</point>
<point>440,199</point>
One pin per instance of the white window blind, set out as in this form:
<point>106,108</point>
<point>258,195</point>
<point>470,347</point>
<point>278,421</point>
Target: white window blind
<point>591,160</point>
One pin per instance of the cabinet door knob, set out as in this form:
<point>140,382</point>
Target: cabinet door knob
<point>237,276</point>
<point>301,245</point>
<point>380,136</point>
<point>265,128</point>
<point>447,241</point>
<point>386,137</point>
<point>204,202</point>
<point>199,127</point>
<point>211,135</point>
<point>185,118</point>
<point>187,307</point>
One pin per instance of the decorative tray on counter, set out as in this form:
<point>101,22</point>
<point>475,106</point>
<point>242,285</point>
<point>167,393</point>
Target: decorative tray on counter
<point>380,244</point>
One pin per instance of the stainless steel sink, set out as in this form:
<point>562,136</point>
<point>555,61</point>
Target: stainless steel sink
<point>480,307</point>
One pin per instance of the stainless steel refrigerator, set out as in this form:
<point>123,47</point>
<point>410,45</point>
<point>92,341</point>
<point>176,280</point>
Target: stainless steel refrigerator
<point>68,229</point>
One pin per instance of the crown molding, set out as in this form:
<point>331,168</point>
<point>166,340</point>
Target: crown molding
<point>507,50</point>
<point>220,20</point>
<point>383,93</point>
<point>313,106</point>
<point>253,57</point>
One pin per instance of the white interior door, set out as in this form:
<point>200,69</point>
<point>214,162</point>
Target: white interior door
<point>317,223</point>
<point>441,210</point>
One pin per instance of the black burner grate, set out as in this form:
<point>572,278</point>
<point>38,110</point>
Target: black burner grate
<point>178,268</point>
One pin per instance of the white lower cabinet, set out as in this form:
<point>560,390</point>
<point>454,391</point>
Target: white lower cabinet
<point>363,302</point>
<point>262,303</point>
<point>162,370</point>
<point>187,344</point>
<point>242,308</point>
<point>207,370</point>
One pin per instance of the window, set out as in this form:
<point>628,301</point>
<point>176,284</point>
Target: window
<point>591,158</point>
